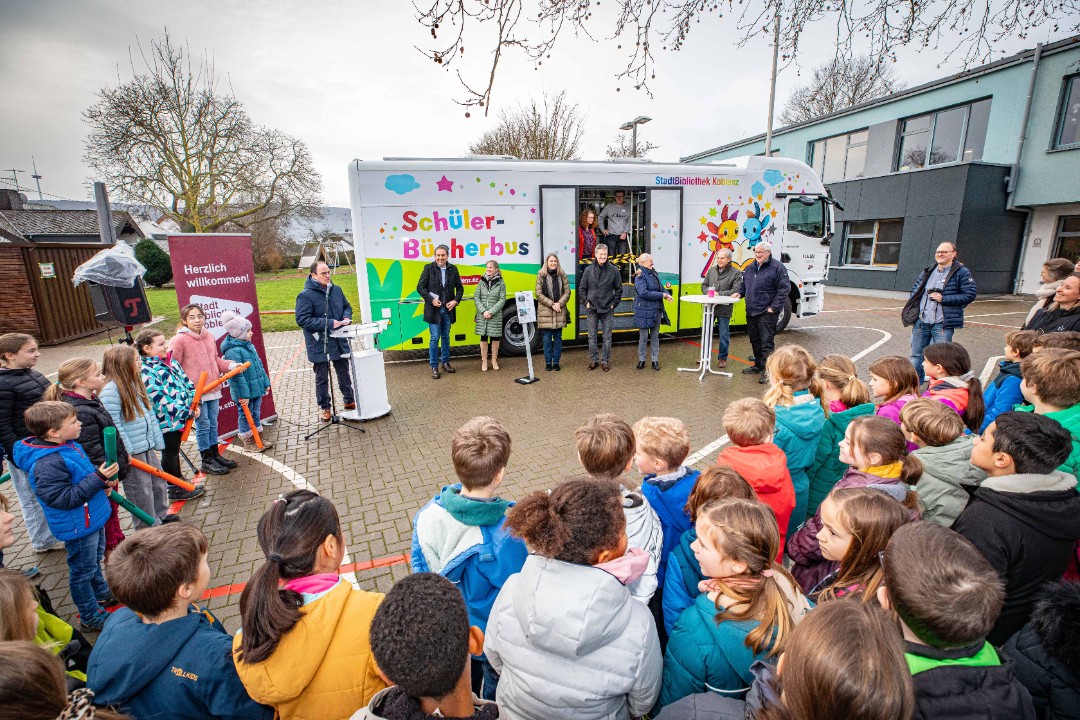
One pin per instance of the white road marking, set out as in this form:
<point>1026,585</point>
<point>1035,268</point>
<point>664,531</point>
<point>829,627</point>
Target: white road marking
<point>1018,312</point>
<point>723,440</point>
<point>988,369</point>
<point>300,483</point>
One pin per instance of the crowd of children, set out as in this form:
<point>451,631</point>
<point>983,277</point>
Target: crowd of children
<point>909,557</point>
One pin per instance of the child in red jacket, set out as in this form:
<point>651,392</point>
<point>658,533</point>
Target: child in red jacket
<point>749,426</point>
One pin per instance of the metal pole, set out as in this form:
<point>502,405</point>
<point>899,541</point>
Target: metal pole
<point>37,179</point>
<point>104,214</point>
<point>772,84</point>
<point>633,142</point>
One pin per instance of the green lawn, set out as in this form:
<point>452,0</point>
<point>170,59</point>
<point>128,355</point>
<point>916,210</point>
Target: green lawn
<point>276,291</point>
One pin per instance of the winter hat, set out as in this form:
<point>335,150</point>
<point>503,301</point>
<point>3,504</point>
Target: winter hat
<point>235,325</point>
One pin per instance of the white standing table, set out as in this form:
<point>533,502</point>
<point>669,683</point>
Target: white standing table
<point>708,313</point>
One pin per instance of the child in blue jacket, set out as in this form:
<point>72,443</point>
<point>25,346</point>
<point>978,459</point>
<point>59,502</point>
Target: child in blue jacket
<point>249,387</point>
<point>462,533</point>
<point>163,656</point>
<point>1002,393</point>
<point>72,495</point>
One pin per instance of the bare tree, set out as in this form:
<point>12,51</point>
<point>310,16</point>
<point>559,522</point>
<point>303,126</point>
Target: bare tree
<point>623,148</point>
<point>641,27</point>
<point>551,131</point>
<point>837,85</point>
<point>172,139</point>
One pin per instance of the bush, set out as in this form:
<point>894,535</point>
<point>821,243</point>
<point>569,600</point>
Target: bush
<point>156,261</point>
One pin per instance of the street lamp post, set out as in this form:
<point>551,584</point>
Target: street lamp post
<point>632,126</point>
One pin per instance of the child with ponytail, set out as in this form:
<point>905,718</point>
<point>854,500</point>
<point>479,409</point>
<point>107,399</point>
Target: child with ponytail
<point>568,613</point>
<point>195,349</point>
<point>849,398</point>
<point>895,382</point>
<point>78,382</point>
<point>876,450</point>
<point>124,397</point>
<point>748,607</point>
<point>948,367</point>
<point>171,393</point>
<point>304,643</point>
<point>856,524</point>
<point>798,397</point>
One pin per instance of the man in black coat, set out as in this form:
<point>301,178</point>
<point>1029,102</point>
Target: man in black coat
<point>440,287</point>
<point>601,287</point>
<point>317,322</point>
<point>765,286</point>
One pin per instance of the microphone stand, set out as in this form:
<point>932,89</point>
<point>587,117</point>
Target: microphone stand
<point>334,419</point>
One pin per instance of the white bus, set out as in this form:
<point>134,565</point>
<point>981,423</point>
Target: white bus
<point>518,211</point>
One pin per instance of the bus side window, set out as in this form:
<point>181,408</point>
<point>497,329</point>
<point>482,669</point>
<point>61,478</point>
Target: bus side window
<point>805,219</point>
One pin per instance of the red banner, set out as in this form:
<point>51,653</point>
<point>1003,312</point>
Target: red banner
<point>217,272</point>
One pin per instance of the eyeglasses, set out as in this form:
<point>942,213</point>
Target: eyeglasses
<point>943,252</point>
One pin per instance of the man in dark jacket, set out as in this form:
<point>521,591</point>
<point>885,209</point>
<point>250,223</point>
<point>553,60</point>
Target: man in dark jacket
<point>440,287</point>
<point>1025,517</point>
<point>725,279</point>
<point>935,308</point>
<point>765,286</point>
<point>601,287</point>
<point>317,321</point>
<point>1046,652</point>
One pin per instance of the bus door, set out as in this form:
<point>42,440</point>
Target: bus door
<point>558,222</point>
<point>663,228</point>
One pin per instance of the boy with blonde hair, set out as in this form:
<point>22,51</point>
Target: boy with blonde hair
<point>606,448</point>
<point>945,452</point>
<point>1002,393</point>
<point>461,533</point>
<point>749,425</point>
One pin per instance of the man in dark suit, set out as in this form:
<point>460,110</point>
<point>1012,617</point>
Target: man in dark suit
<point>317,322</point>
<point>440,287</point>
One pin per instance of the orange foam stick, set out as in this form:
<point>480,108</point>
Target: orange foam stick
<point>251,424</point>
<point>232,373</point>
<point>194,404</point>
<point>161,474</point>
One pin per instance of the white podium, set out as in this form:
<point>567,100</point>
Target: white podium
<point>708,313</point>
<point>367,369</point>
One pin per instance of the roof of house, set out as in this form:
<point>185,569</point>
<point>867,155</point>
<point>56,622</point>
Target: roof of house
<point>29,225</point>
<point>1023,56</point>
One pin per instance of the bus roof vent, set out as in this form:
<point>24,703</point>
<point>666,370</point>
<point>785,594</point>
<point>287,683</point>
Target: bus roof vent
<point>467,158</point>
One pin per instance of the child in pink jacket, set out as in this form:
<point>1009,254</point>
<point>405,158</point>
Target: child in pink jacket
<point>195,349</point>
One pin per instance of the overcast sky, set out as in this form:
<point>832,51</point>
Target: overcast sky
<point>344,77</point>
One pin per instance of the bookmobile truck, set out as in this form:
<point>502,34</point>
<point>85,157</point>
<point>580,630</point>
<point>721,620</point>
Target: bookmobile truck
<point>519,211</point>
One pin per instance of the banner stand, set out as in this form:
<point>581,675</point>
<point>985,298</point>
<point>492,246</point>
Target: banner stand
<point>526,316</point>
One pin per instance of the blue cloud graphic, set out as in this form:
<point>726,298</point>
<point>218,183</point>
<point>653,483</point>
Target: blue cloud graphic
<point>401,184</point>
<point>757,189</point>
<point>773,177</point>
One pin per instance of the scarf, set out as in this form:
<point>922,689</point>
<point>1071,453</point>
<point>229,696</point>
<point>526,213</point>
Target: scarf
<point>554,291</point>
<point>629,567</point>
<point>889,471</point>
<point>492,281</point>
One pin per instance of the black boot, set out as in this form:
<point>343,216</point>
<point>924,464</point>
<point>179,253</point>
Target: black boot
<point>220,460</point>
<point>209,466</point>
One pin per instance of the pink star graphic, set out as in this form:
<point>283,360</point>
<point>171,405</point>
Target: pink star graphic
<point>444,184</point>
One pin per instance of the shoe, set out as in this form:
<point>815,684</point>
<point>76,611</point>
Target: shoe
<point>494,363</point>
<point>110,600</point>
<point>592,364</point>
<point>640,364</point>
<point>350,406</point>
<point>30,572</point>
<point>324,415</point>
<point>170,518</point>
<point>94,623</point>
<point>229,464</point>
<point>605,367</point>
<point>179,493</point>
<point>763,379</point>
<point>752,370</point>
<point>656,366</point>
<point>58,545</point>
<point>483,364</point>
<point>557,368</point>
<point>548,367</point>
<point>250,445</point>
<point>447,368</point>
<point>721,363</point>
<point>435,373</point>
<point>208,467</point>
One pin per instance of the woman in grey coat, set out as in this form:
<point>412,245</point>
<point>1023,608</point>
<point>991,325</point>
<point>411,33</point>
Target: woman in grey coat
<point>724,278</point>
<point>489,298</point>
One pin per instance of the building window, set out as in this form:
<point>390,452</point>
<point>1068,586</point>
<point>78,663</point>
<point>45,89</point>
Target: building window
<point>841,157</point>
<point>955,134</point>
<point>1067,243</point>
<point>873,242</point>
<point>1068,127</point>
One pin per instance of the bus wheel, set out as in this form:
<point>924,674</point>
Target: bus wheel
<point>513,339</point>
<point>785,316</point>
